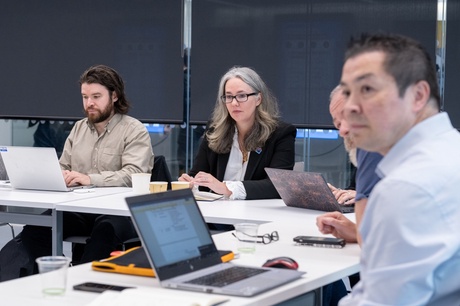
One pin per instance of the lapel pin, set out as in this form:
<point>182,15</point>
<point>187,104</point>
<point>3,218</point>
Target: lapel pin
<point>259,150</point>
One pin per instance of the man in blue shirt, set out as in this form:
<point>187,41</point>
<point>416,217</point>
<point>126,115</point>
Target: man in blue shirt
<point>410,245</point>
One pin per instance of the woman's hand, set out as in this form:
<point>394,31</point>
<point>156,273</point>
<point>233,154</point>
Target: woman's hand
<point>209,181</point>
<point>185,178</point>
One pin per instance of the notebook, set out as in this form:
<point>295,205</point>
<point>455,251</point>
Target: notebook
<point>206,196</point>
<point>35,168</point>
<point>181,250</point>
<point>305,190</point>
<point>135,262</point>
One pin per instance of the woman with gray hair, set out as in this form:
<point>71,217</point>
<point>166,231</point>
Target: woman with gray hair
<point>245,135</point>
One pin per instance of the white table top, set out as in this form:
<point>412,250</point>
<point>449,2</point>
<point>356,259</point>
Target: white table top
<point>322,265</point>
<point>113,204</point>
<point>48,199</point>
<point>220,211</point>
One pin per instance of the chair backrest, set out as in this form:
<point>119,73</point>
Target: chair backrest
<point>299,166</point>
<point>160,171</point>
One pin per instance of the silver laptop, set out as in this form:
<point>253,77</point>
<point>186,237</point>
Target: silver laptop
<point>305,190</point>
<point>182,253</point>
<point>34,168</point>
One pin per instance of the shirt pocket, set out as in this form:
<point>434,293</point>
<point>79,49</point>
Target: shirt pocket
<point>110,160</point>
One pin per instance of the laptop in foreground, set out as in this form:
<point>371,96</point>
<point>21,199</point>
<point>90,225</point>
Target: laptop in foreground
<point>305,190</point>
<point>182,253</point>
<point>34,168</point>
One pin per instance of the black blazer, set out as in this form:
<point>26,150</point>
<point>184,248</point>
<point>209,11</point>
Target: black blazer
<point>278,152</point>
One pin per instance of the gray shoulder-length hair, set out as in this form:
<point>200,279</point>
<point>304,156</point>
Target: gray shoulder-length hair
<point>220,133</point>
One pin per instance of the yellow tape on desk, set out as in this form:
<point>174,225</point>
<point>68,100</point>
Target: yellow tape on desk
<point>134,262</point>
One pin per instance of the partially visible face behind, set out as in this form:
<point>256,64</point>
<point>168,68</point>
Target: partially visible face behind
<point>376,115</point>
<point>97,102</point>
<point>241,112</point>
<point>336,109</point>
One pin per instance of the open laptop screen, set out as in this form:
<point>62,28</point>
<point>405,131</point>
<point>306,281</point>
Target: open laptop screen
<point>173,232</point>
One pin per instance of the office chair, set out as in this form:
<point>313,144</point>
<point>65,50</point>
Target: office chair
<point>299,166</point>
<point>160,172</point>
<point>11,227</point>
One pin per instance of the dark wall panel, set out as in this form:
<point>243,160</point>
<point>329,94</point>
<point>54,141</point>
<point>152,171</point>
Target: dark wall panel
<point>297,46</point>
<point>452,65</point>
<point>46,45</point>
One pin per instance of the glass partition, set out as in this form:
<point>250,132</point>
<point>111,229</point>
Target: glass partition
<point>317,150</point>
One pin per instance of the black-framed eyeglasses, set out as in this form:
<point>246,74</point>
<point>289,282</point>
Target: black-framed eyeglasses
<point>239,97</point>
<point>265,239</point>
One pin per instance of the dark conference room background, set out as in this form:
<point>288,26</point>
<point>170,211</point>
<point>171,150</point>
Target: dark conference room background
<point>296,45</point>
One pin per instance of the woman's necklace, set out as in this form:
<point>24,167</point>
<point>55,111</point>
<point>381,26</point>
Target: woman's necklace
<point>245,155</point>
<point>244,152</point>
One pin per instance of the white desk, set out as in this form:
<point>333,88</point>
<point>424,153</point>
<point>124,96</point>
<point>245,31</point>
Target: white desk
<point>322,265</point>
<point>220,211</point>
<point>46,200</point>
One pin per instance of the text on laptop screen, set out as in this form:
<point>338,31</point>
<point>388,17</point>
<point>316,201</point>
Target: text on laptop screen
<point>171,224</point>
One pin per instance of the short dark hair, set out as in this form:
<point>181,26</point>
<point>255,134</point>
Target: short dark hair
<point>406,60</point>
<point>111,80</point>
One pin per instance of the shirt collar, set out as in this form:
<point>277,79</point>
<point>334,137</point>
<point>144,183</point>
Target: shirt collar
<point>110,125</point>
<point>429,127</point>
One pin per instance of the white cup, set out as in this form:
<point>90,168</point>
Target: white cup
<point>179,185</point>
<point>246,233</point>
<point>158,186</point>
<point>53,273</point>
<point>141,182</point>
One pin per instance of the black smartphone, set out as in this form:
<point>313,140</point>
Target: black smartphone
<point>97,287</point>
<point>325,242</point>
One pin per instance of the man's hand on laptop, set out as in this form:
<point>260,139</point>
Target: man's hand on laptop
<point>343,197</point>
<point>73,178</point>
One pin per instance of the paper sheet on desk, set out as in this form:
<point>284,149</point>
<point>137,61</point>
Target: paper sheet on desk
<point>146,297</point>
<point>5,184</point>
<point>206,196</point>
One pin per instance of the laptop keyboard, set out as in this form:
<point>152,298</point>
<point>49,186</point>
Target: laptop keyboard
<point>226,277</point>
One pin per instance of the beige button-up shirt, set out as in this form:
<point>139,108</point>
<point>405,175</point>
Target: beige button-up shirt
<point>109,159</point>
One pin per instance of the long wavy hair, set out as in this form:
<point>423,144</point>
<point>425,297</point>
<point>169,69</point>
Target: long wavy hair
<point>110,79</point>
<point>222,127</point>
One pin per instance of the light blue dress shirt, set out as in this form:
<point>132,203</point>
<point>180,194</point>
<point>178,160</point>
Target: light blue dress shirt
<point>411,226</point>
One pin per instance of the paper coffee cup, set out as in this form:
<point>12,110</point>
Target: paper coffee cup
<point>179,185</point>
<point>158,187</point>
<point>141,182</point>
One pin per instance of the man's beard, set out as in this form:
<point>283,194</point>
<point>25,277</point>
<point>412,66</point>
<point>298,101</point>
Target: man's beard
<point>348,143</point>
<point>352,156</point>
<point>351,149</point>
<point>100,116</point>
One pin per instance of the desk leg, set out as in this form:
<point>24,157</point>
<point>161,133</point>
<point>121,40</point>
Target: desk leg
<point>56,229</point>
<point>319,297</point>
